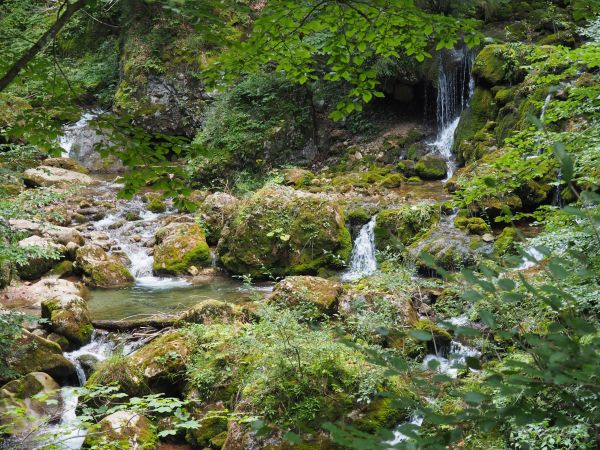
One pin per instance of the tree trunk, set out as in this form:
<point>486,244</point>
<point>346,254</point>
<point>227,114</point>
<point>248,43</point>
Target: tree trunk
<point>15,69</point>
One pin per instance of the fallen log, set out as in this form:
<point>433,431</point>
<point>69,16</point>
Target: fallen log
<point>134,324</point>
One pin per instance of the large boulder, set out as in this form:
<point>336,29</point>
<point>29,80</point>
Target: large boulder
<point>215,211</point>
<point>158,366</point>
<point>122,429</point>
<point>431,168</point>
<point>281,231</point>
<point>57,234</point>
<point>451,249</point>
<point>47,176</point>
<point>179,246</point>
<point>43,255</point>
<point>36,354</point>
<point>21,412</point>
<point>69,317</point>
<point>318,294</point>
<point>101,269</point>
<point>398,227</point>
<point>31,297</point>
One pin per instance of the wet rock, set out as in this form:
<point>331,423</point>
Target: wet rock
<point>282,231</point>
<point>88,363</point>
<point>36,354</point>
<point>123,429</point>
<point>180,246</point>
<point>69,317</point>
<point>62,341</point>
<point>45,255</point>
<point>216,210</point>
<point>30,297</point>
<point>319,294</point>
<point>55,177</point>
<point>431,168</point>
<point>100,269</point>
<point>18,394</point>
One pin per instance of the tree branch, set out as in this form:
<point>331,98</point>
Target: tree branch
<point>15,69</point>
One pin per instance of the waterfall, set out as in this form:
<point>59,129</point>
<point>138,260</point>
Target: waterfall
<point>455,89</point>
<point>399,437</point>
<point>455,359</point>
<point>362,261</point>
<point>79,141</point>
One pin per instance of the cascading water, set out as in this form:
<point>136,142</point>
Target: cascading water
<point>455,89</point>
<point>456,358</point>
<point>362,260</point>
<point>68,433</point>
<point>131,238</point>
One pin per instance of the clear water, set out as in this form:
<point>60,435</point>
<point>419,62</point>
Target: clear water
<point>143,299</point>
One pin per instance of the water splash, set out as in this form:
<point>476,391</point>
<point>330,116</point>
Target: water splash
<point>74,134</point>
<point>454,361</point>
<point>362,260</point>
<point>399,437</point>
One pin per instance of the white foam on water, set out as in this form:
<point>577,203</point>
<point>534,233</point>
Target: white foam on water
<point>363,261</point>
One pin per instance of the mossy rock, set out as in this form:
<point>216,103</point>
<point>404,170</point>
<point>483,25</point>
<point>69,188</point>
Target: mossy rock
<point>472,139</point>
<point>534,193</point>
<point>210,311</point>
<point>439,337</point>
<point>298,177</point>
<point>358,216</point>
<point>474,225</point>
<point>215,212</point>
<point>506,244</point>
<point>123,430</point>
<point>69,317</point>
<point>278,230</point>
<point>498,64</point>
<point>397,228</point>
<point>118,370</point>
<point>393,180</point>
<point>212,429</point>
<point>36,354</point>
<point>156,205</point>
<point>179,247</point>
<point>414,180</point>
<point>317,296</point>
<point>406,167</point>
<point>109,274</point>
<point>431,168</point>
<point>37,266</point>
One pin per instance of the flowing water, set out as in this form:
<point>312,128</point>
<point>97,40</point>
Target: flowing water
<point>454,91</point>
<point>363,261</point>
<point>453,361</point>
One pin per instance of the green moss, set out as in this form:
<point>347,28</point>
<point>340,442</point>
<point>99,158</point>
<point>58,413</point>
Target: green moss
<point>469,144</point>
<point>473,225</point>
<point>117,370</point>
<point>414,180</point>
<point>156,205</point>
<point>212,428</point>
<point>109,274</point>
<point>431,168</point>
<point>406,167</point>
<point>181,246</point>
<point>506,243</point>
<point>396,228</point>
<point>278,231</point>
<point>358,216</point>
<point>392,180</point>
<point>382,414</point>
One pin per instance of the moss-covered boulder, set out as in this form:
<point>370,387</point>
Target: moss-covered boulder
<point>156,204</point>
<point>281,231</point>
<point>431,168</point>
<point>474,225</point>
<point>210,311</point>
<point>499,64</point>
<point>179,246</point>
<point>398,227</point>
<point>297,177</point>
<point>29,412</point>
<point>122,429</point>
<point>69,317</point>
<point>36,354</point>
<point>44,255</point>
<point>506,243</point>
<point>101,269</point>
<point>213,424</point>
<point>162,362</point>
<point>451,249</point>
<point>317,295</point>
<point>215,211</point>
